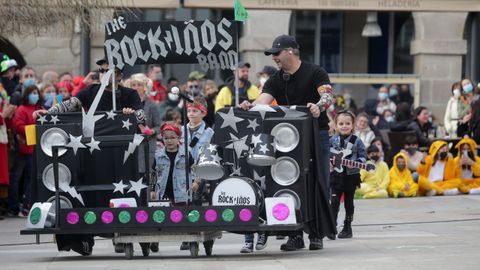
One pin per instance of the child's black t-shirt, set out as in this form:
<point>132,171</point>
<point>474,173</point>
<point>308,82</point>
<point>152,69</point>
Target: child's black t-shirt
<point>169,188</point>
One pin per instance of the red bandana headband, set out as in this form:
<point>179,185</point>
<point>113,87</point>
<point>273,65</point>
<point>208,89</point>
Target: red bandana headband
<point>170,127</point>
<point>197,106</point>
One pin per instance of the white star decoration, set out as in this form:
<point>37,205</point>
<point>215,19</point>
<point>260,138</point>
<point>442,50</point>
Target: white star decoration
<point>292,112</point>
<point>263,148</point>
<point>54,119</point>
<point>262,109</point>
<point>238,145</point>
<point>256,140</point>
<point>229,119</point>
<point>126,124</point>
<point>136,186</point>
<point>236,171</point>
<point>259,178</point>
<point>216,158</point>
<point>202,159</point>
<point>111,115</point>
<point>120,186</point>
<point>253,124</point>
<point>93,145</point>
<point>42,119</point>
<point>75,143</point>
<point>211,148</point>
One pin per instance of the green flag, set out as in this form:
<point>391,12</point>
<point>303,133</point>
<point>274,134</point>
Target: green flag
<point>241,13</point>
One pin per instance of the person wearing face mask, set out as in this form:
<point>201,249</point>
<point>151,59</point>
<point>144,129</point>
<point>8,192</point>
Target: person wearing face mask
<point>384,103</point>
<point>170,103</point>
<point>374,183</point>
<point>457,108</point>
<point>436,172</point>
<point>468,167</point>
<point>21,171</point>
<point>410,150</point>
<point>49,94</point>
<point>468,89</point>
<point>246,90</point>
<point>393,94</point>
<point>158,92</point>
<point>28,77</point>
<point>401,180</point>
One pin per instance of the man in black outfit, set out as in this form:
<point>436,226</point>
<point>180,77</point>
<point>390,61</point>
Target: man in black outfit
<point>301,83</point>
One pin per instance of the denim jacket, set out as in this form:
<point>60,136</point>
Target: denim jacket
<point>179,183</point>
<point>204,135</point>
<point>358,150</point>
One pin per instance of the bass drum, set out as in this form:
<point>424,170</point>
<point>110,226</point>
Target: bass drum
<point>237,191</point>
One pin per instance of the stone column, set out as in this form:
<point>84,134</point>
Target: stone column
<point>438,48</point>
<point>259,31</point>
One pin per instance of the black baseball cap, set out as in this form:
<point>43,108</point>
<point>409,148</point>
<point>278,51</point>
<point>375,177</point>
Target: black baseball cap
<point>102,61</point>
<point>269,70</point>
<point>280,43</point>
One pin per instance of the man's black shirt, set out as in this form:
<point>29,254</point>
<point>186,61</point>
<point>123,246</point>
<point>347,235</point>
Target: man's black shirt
<point>126,98</point>
<point>300,89</point>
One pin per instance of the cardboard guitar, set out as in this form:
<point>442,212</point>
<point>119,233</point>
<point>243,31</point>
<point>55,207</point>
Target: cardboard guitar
<point>338,161</point>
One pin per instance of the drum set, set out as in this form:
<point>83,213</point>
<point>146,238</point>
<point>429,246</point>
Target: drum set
<point>235,189</point>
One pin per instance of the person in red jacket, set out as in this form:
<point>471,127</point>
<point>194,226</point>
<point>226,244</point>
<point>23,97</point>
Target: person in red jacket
<point>6,112</point>
<point>22,167</point>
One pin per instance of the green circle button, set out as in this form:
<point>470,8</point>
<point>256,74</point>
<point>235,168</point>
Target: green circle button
<point>158,216</point>
<point>90,217</point>
<point>193,216</point>
<point>124,217</point>
<point>35,215</point>
<point>228,215</point>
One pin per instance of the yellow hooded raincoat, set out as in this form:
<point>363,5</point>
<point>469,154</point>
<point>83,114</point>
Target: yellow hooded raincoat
<point>401,182</point>
<point>467,184</point>
<point>449,180</point>
<point>374,184</point>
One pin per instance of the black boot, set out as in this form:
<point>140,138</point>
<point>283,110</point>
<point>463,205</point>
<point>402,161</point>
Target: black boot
<point>347,228</point>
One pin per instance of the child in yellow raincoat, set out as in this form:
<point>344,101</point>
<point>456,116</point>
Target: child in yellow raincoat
<point>401,180</point>
<point>468,166</point>
<point>374,184</point>
<point>437,172</point>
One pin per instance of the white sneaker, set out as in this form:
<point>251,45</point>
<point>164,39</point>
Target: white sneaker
<point>432,192</point>
<point>451,192</point>
<point>474,191</point>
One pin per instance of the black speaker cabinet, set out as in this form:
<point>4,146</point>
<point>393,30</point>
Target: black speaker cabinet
<point>288,177</point>
<point>44,186</point>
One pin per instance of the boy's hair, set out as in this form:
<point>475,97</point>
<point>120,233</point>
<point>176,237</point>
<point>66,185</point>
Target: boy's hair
<point>372,149</point>
<point>198,100</point>
<point>411,139</point>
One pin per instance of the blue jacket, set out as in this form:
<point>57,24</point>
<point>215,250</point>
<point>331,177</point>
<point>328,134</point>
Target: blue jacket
<point>358,150</point>
<point>179,183</point>
<point>204,135</point>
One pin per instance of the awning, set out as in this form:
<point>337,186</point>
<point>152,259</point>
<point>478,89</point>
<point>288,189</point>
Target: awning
<point>343,5</point>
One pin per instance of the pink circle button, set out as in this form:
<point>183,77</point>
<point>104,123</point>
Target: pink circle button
<point>107,217</point>
<point>245,215</point>
<point>280,211</point>
<point>73,218</point>
<point>176,216</point>
<point>141,216</point>
<point>210,215</point>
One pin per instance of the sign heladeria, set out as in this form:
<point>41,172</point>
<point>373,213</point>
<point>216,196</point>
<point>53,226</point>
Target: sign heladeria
<point>212,44</point>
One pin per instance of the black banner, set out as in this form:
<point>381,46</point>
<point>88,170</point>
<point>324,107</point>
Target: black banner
<point>212,44</point>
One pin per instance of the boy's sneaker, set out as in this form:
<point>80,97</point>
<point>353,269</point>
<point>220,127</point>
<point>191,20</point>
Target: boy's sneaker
<point>185,246</point>
<point>431,192</point>
<point>262,241</point>
<point>474,191</point>
<point>247,248</point>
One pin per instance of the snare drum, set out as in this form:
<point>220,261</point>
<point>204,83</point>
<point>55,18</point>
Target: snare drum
<point>262,150</point>
<point>209,166</point>
<point>237,191</point>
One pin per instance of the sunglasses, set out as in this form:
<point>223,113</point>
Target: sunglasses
<point>193,86</point>
<point>103,70</point>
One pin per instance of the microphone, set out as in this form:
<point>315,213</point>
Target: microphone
<point>176,91</point>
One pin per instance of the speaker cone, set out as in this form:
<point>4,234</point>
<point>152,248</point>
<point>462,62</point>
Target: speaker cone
<point>51,137</point>
<point>286,137</point>
<point>285,171</point>
<point>64,177</point>
<point>289,194</point>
